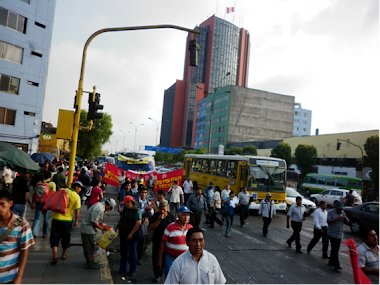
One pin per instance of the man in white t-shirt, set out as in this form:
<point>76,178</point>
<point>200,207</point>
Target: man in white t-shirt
<point>225,192</point>
<point>176,197</point>
<point>187,188</point>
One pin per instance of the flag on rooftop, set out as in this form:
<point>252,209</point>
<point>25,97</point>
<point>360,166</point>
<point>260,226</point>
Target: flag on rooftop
<point>230,10</point>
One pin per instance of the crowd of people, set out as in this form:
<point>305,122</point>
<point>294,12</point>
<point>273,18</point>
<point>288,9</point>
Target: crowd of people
<point>171,226</point>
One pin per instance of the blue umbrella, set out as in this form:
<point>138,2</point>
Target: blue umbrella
<point>42,157</point>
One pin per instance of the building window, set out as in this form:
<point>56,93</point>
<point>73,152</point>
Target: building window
<point>304,130</point>
<point>295,128</point>
<point>12,20</point>
<point>7,116</point>
<point>296,113</point>
<point>304,122</point>
<point>29,113</point>
<point>40,25</point>
<point>10,52</point>
<point>296,121</point>
<point>26,1</point>
<point>9,84</point>
<point>305,114</point>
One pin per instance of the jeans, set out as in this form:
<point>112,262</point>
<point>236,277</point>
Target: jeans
<point>334,253</point>
<point>140,248</point>
<point>37,220</point>
<point>266,223</point>
<point>155,258</point>
<point>174,207</point>
<point>128,253</point>
<point>296,226</point>
<point>214,218</point>
<point>325,240</point>
<point>229,222</point>
<point>19,209</point>
<point>169,259</point>
<point>243,213</point>
<point>195,218</point>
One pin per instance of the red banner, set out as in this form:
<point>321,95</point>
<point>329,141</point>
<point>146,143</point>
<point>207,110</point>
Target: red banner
<point>163,180</point>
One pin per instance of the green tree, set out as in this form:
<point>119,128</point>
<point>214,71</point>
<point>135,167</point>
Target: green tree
<point>371,147</point>
<point>250,149</point>
<point>159,156</point>
<point>90,142</point>
<point>236,150</point>
<point>306,157</point>
<point>284,151</point>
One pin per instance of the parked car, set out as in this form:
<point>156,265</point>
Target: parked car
<point>291,195</point>
<point>332,194</point>
<point>362,216</point>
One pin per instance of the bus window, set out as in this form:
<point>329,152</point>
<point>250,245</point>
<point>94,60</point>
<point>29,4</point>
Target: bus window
<point>212,169</point>
<point>313,180</point>
<point>354,184</point>
<point>198,165</point>
<point>321,180</point>
<point>341,182</point>
<point>231,169</point>
<point>306,179</point>
<point>221,171</point>
<point>330,181</point>
<point>205,164</point>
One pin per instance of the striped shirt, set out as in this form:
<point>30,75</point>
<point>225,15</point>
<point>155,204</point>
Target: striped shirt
<point>175,239</point>
<point>21,238</point>
<point>368,258</point>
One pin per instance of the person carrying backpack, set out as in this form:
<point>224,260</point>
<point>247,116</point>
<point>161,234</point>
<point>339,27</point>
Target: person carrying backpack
<point>40,191</point>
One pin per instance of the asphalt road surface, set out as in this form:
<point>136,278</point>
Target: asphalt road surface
<point>248,257</point>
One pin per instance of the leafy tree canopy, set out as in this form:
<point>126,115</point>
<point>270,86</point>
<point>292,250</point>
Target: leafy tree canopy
<point>90,142</point>
<point>176,157</point>
<point>371,147</point>
<point>284,151</point>
<point>250,149</point>
<point>306,157</point>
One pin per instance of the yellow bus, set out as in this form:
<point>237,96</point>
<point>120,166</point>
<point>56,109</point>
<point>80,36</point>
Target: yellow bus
<point>260,174</point>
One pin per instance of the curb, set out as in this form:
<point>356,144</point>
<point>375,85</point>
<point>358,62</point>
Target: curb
<point>105,271</point>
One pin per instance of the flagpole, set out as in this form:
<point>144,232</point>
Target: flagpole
<point>233,20</point>
<point>217,3</point>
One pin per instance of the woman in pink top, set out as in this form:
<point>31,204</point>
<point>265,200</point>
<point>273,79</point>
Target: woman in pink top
<point>96,193</point>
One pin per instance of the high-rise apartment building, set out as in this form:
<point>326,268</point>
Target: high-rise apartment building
<point>26,28</point>
<point>223,60</point>
<point>302,121</point>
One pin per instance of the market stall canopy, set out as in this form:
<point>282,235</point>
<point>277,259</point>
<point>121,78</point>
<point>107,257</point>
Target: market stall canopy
<point>42,157</point>
<point>17,159</point>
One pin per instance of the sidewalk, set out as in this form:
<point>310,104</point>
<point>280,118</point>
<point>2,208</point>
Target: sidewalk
<point>70,271</point>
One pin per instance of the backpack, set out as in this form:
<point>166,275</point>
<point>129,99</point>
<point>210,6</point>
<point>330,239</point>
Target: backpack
<point>42,189</point>
<point>57,201</point>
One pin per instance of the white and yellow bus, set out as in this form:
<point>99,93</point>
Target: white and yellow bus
<point>260,174</point>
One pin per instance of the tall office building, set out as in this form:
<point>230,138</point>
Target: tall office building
<point>26,28</point>
<point>223,60</point>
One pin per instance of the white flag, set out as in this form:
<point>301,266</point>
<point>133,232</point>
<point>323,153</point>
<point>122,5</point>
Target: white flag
<point>230,10</point>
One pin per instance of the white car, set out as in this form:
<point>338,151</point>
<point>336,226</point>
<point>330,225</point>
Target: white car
<point>332,194</point>
<point>291,195</point>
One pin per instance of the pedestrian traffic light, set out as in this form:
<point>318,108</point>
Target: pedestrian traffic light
<point>338,145</point>
<point>193,48</point>
<point>94,106</point>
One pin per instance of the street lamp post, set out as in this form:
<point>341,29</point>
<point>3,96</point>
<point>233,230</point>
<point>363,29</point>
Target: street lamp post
<point>124,138</point>
<point>157,123</point>
<point>136,126</point>
<point>78,100</point>
<point>213,96</point>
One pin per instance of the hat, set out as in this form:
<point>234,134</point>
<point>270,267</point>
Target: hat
<point>339,205</point>
<point>269,194</point>
<point>163,203</point>
<point>111,202</point>
<point>209,187</point>
<point>188,177</point>
<point>77,183</point>
<point>183,209</point>
<point>126,199</point>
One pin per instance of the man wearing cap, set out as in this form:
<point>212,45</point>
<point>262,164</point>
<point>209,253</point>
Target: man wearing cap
<point>129,223</point>
<point>88,227</point>
<point>62,223</point>
<point>187,188</point>
<point>158,224</point>
<point>336,219</point>
<point>197,204</point>
<point>173,242</point>
<point>297,214</point>
<point>267,210</point>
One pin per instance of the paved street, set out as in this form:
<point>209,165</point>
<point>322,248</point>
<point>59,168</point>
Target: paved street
<point>245,257</point>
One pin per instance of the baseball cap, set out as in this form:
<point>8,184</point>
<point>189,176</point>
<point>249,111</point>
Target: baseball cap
<point>183,209</point>
<point>111,202</point>
<point>269,194</point>
<point>188,177</point>
<point>126,199</point>
<point>339,205</point>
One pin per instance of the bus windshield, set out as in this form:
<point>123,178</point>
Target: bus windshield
<point>267,178</point>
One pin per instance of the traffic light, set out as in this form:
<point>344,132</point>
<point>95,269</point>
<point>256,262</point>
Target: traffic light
<point>193,48</point>
<point>338,145</point>
<point>94,106</point>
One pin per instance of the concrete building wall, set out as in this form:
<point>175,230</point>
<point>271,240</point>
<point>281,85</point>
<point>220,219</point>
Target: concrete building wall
<point>257,115</point>
<point>35,42</point>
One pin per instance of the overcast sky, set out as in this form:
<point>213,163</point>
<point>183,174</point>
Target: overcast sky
<point>323,52</point>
